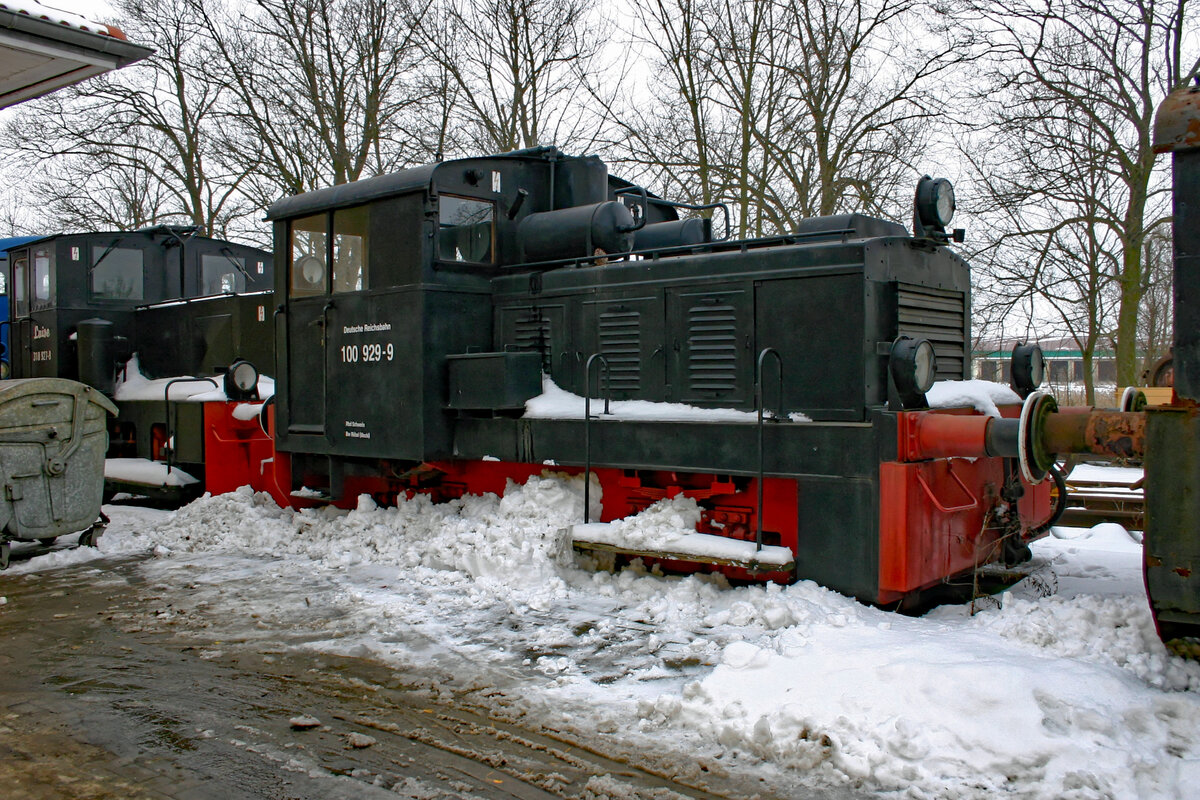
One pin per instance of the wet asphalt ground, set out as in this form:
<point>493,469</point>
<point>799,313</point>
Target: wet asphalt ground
<point>98,701</point>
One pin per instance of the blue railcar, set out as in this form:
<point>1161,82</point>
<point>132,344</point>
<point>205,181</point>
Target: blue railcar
<point>5,244</point>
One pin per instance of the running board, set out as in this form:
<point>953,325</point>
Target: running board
<point>702,548</point>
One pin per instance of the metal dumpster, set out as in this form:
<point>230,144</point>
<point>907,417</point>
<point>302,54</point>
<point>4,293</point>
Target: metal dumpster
<point>53,437</point>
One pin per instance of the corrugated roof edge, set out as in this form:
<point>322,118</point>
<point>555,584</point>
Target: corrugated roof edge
<point>110,41</point>
<point>57,16</point>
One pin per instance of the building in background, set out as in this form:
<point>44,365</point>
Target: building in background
<point>1064,367</point>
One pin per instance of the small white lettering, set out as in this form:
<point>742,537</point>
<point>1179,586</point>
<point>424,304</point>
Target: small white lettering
<point>353,424</point>
<point>357,435</point>
<point>40,333</point>
<point>368,327</point>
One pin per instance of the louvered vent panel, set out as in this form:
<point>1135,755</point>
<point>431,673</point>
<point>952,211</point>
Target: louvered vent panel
<point>937,315</point>
<point>621,345</point>
<point>533,333</point>
<point>712,348</point>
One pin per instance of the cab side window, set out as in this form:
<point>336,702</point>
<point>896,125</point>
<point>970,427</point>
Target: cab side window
<point>350,249</point>
<point>20,270</point>
<point>308,267</point>
<point>222,274</point>
<point>465,229</point>
<point>42,277</point>
<point>117,273</point>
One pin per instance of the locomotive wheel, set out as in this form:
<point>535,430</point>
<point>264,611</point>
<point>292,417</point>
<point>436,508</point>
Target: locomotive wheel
<point>47,541</point>
<point>5,552</point>
<point>87,538</point>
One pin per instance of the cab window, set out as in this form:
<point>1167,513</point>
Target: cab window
<point>117,273</point>
<point>350,249</point>
<point>20,268</point>
<point>222,274</point>
<point>465,229</point>
<point>307,265</point>
<point>42,277</point>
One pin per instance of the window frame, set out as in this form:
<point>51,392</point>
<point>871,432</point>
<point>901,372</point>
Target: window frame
<point>98,253</point>
<point>20,283</point>
<point>491,251</point>
<point>293,289</point>
<point>335,249</point>
<point>330,250</point>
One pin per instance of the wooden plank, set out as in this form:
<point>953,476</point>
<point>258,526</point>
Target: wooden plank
<point>667,555</point>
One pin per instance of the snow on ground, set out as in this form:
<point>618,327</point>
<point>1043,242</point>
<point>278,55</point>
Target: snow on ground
<point>1059,689</point>
<point>1096,473</point>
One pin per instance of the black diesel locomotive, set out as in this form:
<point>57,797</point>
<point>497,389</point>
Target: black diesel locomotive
<point>186,305</point>
<point>419,311</point>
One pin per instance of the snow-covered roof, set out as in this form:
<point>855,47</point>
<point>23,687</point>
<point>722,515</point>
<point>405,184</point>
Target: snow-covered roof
<point>43,49</point>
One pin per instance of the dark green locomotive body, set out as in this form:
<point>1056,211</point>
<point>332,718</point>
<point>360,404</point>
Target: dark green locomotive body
<point>420,311</point>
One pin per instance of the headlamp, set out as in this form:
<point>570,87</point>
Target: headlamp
<point>241,381</point>
<point>1028,368</point>
<point>913,366</point>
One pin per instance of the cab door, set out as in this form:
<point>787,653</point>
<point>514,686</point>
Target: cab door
<point>307,318</point>
<point>22,324</point>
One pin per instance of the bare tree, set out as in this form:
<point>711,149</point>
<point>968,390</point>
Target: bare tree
<point>790,110</point>
<point>1156,319</point>
<point>1076,84</point>
<point>138,146</point>
<point>1049,263</point>
<point>673,135</point>
<point>513,69</point>
<point>323,88</point>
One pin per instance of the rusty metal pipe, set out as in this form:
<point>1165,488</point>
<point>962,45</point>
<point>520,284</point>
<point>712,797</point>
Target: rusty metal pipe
<point>1115,434</point>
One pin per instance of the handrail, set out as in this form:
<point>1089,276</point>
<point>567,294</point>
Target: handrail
<point>167,402</point>
<point>718,246</point>
<point>587,426</point>
<point>758,401</point>
<point>329,306</point>
<point>937,503</point>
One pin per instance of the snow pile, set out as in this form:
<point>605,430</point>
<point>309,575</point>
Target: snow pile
<point>517,538</point>
<point>946,712</point>
<point>664,522</point>
<point>983,396</point>
<point>556,403</point>
<point>669,526</point>
<point>133,385</point>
